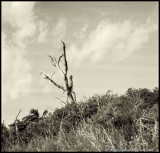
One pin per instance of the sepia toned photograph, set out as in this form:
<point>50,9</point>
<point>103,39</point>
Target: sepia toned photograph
<point>80,76</point>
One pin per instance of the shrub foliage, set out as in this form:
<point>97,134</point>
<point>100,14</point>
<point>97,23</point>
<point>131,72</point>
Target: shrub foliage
<point>100,123</point>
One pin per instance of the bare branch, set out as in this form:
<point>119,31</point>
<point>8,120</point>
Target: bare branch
<point>52,75</point>
<point>65,60</point>
<point>59,65</point>
<point>53,60</point>
<point>60,59</point>
<point>48,78</point>
<point>17,116</point>
<point>71,82</point>
<point>16,127</point>
<point>54,63</point>
<point>60,70</point>
<point>74,95</point>
<point>44,74</point>
<point>62,42</point>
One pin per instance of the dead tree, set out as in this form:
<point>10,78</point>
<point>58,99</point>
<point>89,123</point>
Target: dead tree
<point>68,89</point>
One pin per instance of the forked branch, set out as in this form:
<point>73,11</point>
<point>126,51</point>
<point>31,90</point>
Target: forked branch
<point>68,89</point>
<point>55,64</point>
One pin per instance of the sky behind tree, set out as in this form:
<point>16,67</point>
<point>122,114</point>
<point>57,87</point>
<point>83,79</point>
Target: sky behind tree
<point>110,46</point>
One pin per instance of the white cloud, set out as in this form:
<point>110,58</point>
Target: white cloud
<point>43,29</point>
<point>46,31</point>
<point>59,31</point>
<point>114,41</point>
<point>19,15</point>
<point>16,75</point>
<point>83,30</point>
<point>81,34</point>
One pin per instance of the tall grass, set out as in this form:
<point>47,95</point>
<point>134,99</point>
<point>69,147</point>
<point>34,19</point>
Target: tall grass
<point>90,137</point>
<point>102,123</point>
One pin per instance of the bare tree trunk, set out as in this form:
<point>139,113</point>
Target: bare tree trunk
<point>70,97</point>
<point>68,83</point>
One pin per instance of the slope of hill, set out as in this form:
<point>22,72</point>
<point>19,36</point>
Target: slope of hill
<point>101,123</point>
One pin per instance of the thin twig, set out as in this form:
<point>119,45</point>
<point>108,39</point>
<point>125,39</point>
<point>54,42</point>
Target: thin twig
<point>61,100</point>
<point>60,58</point>
<point>17,115</point>
<point>52,75</point>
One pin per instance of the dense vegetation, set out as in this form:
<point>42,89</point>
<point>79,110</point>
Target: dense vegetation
<point>107,122</point>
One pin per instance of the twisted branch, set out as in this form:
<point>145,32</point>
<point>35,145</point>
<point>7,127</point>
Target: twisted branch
<point>60,59</point>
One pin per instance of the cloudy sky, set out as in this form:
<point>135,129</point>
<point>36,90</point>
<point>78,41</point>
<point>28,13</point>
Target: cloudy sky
<point>110,46</point>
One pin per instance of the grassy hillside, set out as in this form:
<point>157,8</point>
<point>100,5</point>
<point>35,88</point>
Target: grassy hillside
<point>101,123</point>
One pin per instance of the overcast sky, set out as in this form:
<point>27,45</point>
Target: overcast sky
<point>110,46</point>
